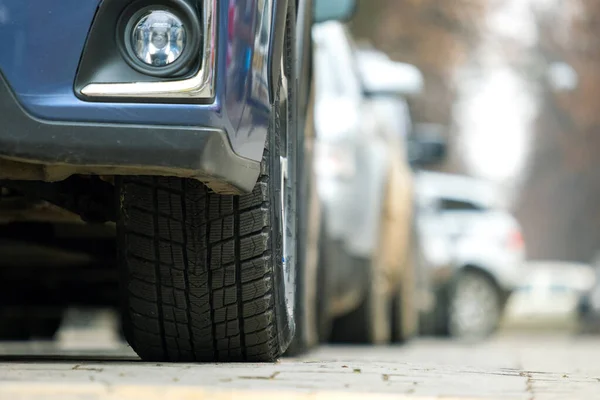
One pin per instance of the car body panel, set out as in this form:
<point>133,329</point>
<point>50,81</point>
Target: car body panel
<point>479,246</point>
<point>41,63</point>
<point>34,149</point>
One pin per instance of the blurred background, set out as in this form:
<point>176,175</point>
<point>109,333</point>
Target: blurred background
<point>516,81</point>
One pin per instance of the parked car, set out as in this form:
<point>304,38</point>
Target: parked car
<point>421,145</point>
<point>365,184</point>
<point>473,249</point>
<point>183,121</point>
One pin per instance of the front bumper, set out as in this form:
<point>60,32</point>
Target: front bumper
<point>36,149</point>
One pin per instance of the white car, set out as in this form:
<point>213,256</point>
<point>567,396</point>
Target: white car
<point>474,251</point>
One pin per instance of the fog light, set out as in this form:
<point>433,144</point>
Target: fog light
<point>159,38</point>
<point>162,39</point>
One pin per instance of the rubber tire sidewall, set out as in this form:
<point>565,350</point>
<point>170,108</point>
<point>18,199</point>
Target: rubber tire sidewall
<point>287,324</point>
<point>309,214</point>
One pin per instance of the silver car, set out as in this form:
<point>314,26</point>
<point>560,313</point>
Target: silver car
<point>365,185</point>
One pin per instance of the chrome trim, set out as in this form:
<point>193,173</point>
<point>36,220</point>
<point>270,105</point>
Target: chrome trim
<point>201,85</point>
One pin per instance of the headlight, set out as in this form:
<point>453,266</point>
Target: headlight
<point>160,40</point>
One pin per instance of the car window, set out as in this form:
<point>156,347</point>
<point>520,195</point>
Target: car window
<point>458,205</point>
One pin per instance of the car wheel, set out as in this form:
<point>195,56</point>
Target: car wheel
<point>474,307</point>
<point>309,282</point>
<point>210,277</point>
<point>370,322</point>
<point>309,233</point>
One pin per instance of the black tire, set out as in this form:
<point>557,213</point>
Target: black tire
<point>370,322</point>
<point>203,274</point>
<point>305,337</point>
<point>486,295</point>
<point>307,280</point>
<point>313,324</point>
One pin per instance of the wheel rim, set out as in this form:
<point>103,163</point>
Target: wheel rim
<point>474,309</point>
<point>288,197</point>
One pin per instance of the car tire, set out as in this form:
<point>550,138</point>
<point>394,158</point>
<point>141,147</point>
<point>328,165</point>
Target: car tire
<point>370,322</point>
<point>474,306</point>
<point>309,275</point>
<point>204,275</point>
<point>308,309</point>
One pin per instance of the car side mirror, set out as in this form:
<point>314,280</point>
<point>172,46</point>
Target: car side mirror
<point>333,10</point>
<point>427,145</point>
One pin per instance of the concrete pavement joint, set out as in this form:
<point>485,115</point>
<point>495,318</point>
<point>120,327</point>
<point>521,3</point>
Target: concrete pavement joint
<point>425,370</point>
<point>528,384</point>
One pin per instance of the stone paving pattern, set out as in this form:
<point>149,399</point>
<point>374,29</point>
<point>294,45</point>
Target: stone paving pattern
<point>506,367</point>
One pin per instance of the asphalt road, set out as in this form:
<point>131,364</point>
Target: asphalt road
<point>506,367</point>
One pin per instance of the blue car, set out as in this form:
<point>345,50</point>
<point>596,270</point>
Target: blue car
<point>184,122</point>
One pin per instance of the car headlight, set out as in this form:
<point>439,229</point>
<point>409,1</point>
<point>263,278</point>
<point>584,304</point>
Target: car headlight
<point>160,40</point>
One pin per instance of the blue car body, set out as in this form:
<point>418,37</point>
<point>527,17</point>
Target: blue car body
<point>46,123</point>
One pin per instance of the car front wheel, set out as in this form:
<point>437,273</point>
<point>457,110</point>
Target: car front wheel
<point>209,277</point>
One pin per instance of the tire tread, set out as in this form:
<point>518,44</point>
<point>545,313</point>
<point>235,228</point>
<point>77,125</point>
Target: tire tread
<point>199,276</point>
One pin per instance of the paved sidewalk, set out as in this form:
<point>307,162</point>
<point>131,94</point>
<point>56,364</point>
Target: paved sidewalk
<point>509,367</point>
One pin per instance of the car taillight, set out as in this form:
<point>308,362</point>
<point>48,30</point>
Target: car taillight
<point>516,240</point>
